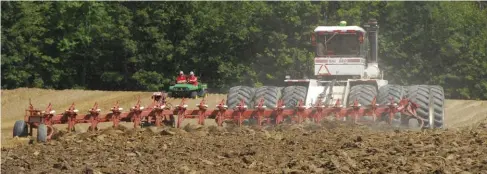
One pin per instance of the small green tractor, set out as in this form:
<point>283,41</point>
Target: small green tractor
<point>188,90</point>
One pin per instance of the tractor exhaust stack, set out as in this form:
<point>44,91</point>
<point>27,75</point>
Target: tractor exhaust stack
<point>373,31</point>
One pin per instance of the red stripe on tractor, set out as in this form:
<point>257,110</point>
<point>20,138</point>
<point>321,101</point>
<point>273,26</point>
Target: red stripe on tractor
<point>352,60</point>
<point>323,32</point>
<point>296,80</point>
<point>338,31</point>
<point>345,60</point>
<point>365,80</point>
<point>321,60</point>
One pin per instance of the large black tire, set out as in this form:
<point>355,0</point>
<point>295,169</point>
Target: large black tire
<point>20,129</point>
<point>202,93</point>
<point>42,133</point>
<point>431,104</point>
<point>280,89</point>
<point>193,95</point>
<point>397,92</point>
<point>438,102</point>
<point>292,94</point>
<point>363,93</point>
<point>388,91</point>
<point>237,93</point>
<point>271,95</point>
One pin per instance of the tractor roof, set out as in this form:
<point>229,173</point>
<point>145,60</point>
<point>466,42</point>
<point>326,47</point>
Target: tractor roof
<point>339,28</point>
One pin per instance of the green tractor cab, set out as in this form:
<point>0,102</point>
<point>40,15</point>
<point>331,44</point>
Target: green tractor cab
<point>188,90</point>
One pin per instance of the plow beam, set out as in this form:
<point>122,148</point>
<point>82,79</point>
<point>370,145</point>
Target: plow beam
<point>181,112</point>
<point>317,116</point>
<point>302,111</point>
<point>115,116</point>
<point>94,112</point>
<point>260,109</point>
<point>70,114</point>
<point>202,111</point>
<point>158,116</point>
<point>240,110</point>
<point>135,113</point>
<point>221,114</point>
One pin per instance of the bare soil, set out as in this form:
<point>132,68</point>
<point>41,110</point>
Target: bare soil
<point>308,148</point>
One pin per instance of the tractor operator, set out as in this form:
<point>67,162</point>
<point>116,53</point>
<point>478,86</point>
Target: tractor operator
<point>192,79</point>
<point>181,78</point>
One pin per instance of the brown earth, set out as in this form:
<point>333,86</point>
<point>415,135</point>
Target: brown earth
<point>308,148</point>
<point>330,148</point>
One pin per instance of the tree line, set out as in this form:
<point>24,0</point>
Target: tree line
<point>143,45</point>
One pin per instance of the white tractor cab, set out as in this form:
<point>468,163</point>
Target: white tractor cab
<point>345,56</point>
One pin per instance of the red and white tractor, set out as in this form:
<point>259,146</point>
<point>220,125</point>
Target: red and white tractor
<point>348,82</point>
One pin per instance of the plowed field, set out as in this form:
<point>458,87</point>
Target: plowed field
<point>330,147</point>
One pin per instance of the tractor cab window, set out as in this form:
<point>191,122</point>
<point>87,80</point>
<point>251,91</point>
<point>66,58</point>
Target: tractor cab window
<point>337,45</point>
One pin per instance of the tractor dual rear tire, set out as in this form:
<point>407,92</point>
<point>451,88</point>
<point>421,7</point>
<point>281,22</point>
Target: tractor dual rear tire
<point>396,92</point>
<point>388,91</point>
<point>237,93</point>
<point>270,94</point>
<point>193,95</point>
<point>431,101</point>
<point>202,93</point>
<point>363,93</point>
<point>292,94</point>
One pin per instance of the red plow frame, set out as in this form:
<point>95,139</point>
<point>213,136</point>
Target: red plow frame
<point>159,113</point>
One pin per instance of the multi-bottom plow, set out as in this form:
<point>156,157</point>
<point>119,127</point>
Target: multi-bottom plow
<point>161,113</point>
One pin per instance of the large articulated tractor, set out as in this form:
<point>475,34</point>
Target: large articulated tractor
<point>348,82</point>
